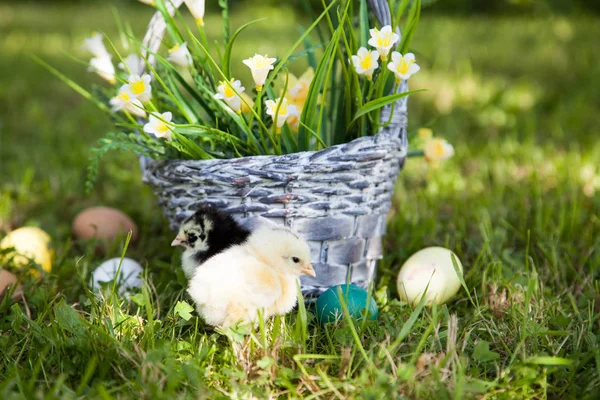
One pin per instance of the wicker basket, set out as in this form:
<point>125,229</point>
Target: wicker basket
<point>337,199</point>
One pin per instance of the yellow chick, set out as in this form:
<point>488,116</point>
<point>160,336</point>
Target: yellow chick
<point>258,275</point>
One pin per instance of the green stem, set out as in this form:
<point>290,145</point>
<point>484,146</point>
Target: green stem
<point>416,153</point>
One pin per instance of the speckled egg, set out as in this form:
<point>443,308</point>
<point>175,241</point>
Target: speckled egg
<point>103,223</point>
<point>431,266</point>
<point>29,243</point>
<point>129,276</point>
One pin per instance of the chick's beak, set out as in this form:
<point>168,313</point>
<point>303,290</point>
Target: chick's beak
<point>178,241</point>
<point>308,269</point>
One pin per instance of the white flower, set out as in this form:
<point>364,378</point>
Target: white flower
<point>227,94</point>
<point>285,110</point>
<point>180,55</point>
<point>437,149</point>
<point>158,125</point>
<point>403,66</point>
<point>125,100</point>
<point>104,67</point>
<point>134,64</point>
<point>365,62</point>
<point>196,8</point>
<point>383,40</point>
<point>140,87</point>
<point>260,66</point>
<point>149,2</point>
<point>95,45</point>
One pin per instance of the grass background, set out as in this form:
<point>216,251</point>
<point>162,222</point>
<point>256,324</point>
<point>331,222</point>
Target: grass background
<point>519,204</point>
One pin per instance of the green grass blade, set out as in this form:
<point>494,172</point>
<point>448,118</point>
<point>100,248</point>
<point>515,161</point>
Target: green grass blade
<point>84,93</point>
<point>413,21</point>
<point>281,63</point>
<point>381,102</point>
<point>224,4</point>
<point>364,23</point>
<point>192,147</point>
<point>310,113</point>
<point>229,48</point>
<point>402,7</point>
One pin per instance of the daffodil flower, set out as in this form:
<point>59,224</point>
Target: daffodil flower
<point>196,8</point>
<point>126,101</point>
<point>260,66</point>
<point>228,95</point>
<point>365,62</point>
<point>246,108</point>
<point>383,40</point>
<point>159,125</point>
<point>285,110</point>
<point>133,64</point>
<point>95,45</point>
<point>293,118</point>
<point>149,2</point>
<point>437,149</point>
<point>298,88</point>
<point>180,56</point>
<point>104,67</point>
<point>140,87</point>
<point>403,66</point>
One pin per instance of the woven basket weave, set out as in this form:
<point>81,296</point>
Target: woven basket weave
<point>337,199</point>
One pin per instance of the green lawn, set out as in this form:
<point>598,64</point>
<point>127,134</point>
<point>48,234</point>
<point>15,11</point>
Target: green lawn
<point>519,204</point>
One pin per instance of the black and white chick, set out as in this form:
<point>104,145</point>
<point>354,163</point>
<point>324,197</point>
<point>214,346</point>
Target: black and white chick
<point>206,233</point>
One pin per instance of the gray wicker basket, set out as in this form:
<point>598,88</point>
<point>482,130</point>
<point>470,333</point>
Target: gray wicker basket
<point>337,199</point>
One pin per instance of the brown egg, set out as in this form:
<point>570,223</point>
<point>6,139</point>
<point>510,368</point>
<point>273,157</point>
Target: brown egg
<point>103,223</point>
<point>7,279</point>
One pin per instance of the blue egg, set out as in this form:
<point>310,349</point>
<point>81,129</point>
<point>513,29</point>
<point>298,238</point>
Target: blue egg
<point>329,307</point>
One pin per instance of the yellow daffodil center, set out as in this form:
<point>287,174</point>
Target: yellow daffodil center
<point>124,96</point>
<point>439,149</point>
<point>138,87</point>
<point>384,41</point>
<point>436,149</point>
<point>227,89</point>
<point>404,65</point>
<point>366,62</point>
<point>282,108</point>
<point>261,62</point>
<point>174,49</point>
<point>161,127</point>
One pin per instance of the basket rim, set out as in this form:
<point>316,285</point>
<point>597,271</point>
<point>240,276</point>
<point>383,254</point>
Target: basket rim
<point>380,136</point>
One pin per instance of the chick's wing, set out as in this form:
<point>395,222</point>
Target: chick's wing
<point>235,276</point>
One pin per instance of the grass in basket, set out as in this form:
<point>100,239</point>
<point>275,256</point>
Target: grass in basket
<point>202,112</point>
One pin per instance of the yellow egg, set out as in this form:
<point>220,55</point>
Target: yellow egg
<point>431,266</point>
<point>29,243</point>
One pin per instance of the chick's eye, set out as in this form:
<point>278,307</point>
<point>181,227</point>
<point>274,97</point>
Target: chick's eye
<point>296,260</point>
<point>192,237</point>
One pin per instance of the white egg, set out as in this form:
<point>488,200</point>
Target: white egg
<point>431,266</point>
<point>129,277</point>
